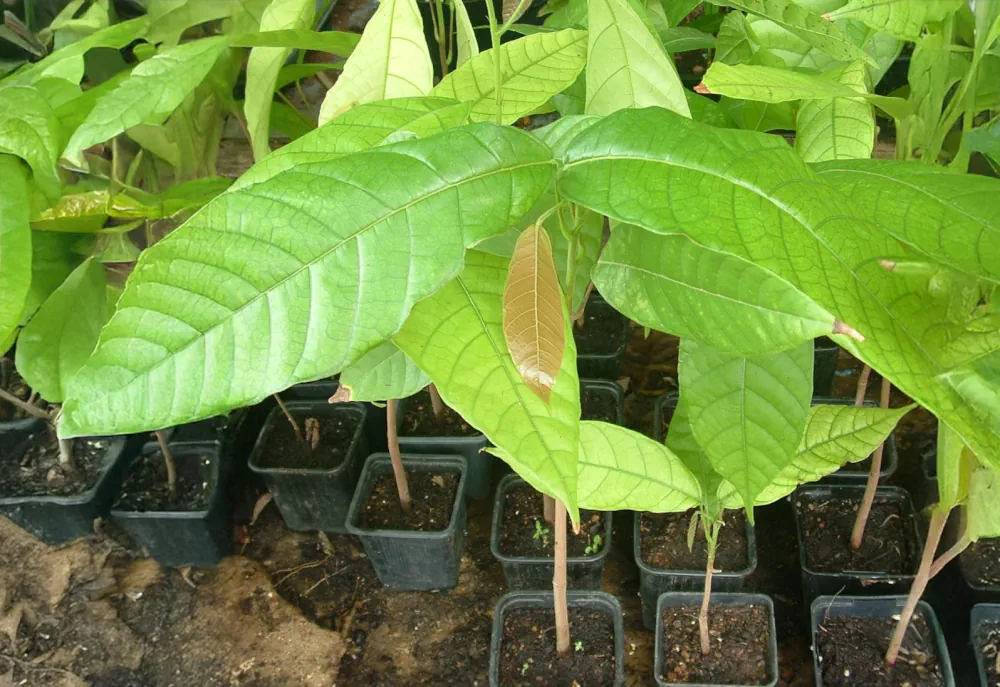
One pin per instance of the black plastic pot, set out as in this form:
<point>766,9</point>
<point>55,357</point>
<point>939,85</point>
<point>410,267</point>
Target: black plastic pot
<point>477,479</point>
<point>58,519</point>
<point>824,366</point>
<point>873,607</point>
<point>181,538</point>
<point>323,389</point>
<point>600,601</point>
<point>854,473</point>
<point>663,410</point>
<point>412,561</point>
<point>978,593</point>
<point>856,582</point>
<point>653,582</point>
<point>685,599</point>
<point>535,572</point>
<point>612,390</point>
<point>312,499</point>
<point>604,365</point>
<point>982,613</point>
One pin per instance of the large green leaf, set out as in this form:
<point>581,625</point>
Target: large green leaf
<point>264,65</point>
<point>674,285</point>
<point>30,130</point>
<point>626,64</point>
<point>747,413</point>
<point>391,61</point>
<point>383,373</point>
<point>360,128</point>
<point>759,200</point>
<point>837,128</point>
<point>15,243</point>
<point>52,259</point>
<point>294,278</point>
<point>532,70</point>
<point>169,19</point>
<point>149,94</point>
<point>736,42</point>
<point>948,217</point>
<point>901,18</point>
<point>620,469</point>
<point>681,440</point>
<point>64,331</point>
<point>456,337</point>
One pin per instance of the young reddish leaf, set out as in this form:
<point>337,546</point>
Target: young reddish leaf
<point>533,316</point>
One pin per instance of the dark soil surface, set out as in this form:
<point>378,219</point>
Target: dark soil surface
<point>888,545</point>
<point>327,441</point>
<point>739,637</point>
<point>528,649</point>
<point>597,403</point>
<point>521,536</point>
<point>31,468</point>
<point>418,420</point>
<point>853,651</point>
<point>433,498</point>
<point>145,488</point>
<point>987,638</point>
<point>601,332</point>
<point>981,563</point>
<point>11,381</point>
<point>663,542</point>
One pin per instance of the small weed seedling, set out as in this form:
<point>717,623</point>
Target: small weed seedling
<point>594,546</point>
<point>541,533</point>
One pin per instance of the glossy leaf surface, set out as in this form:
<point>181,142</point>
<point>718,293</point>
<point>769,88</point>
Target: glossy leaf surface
<point>15,243</point>
<point>30,130</point>
<point>383,373</point>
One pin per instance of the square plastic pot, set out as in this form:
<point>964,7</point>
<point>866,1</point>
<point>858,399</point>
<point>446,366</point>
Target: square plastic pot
<point>599,601</point>
<point>873,607</point>
<point>683,599</point>
<point>654,582</point>
<point>664,408</point>
<point>982,613</point>
<point>181,538</point>
<point>312,499</point>
<point>535,572</point>
<point>58,519</point>
<point>857,582</point>
<point>412,561</point>
<point>477,479</point>
<point>853,473</point>
<point>979,593</point>
<point>614,392</point>
<point>323,389</point>
<point>604,365</point>
<point>824,366</point>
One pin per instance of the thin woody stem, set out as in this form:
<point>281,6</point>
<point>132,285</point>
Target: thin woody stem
<point>436,403</point>
<point>859,395</point>
<point>559,583</point>
<point>290,418</point>
<point>549,509</point>
<point>402,486</point>
<point>23,405</point>
<point>711,536</point>
<point>168,460</point>
<point>858,535</point>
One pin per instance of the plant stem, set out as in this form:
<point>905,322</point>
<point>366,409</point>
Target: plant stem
<point>951,554</point>
<point>436,403</point>
<point>168,460</point>
<point>858,535</point>
<point>23,405</point>
<point>711,536</point>
<point>66,453</point>
<point>290,418</point>
<point>440,34</point>
<point>559,583</point>
<point>397,460</point>
<point>859,395</point>
<point>938,520</point>
<point>549,509</point>
<point>495,37</point>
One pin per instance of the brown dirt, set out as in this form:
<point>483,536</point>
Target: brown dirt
<point>981,563</point>
<point>31,467</point>
<point>327,440</point>
<point>602,330</point>
<point>145,487</point>
<point>418,420</point>
<point>528,649</point>
<point>739,637</point>
<point>987,638</point>
<point>432,496</point>
<point>597,403</point>
<point>663,542</point>
<point>853,651</point>
<point>889,544</point>
<point>521,536</point>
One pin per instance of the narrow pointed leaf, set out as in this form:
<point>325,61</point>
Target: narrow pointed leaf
<point>456,337</point>
<point>533,324</point>
<point>837,128</point>
<point>680,439</point>
<point>391,61</point>
<point>383,373</point>
<point>340,43</point>
<point>674,285</point>
<point>294,278</point>
<point>620,469</point>
<point>772,85</point>
<point>901,18</point>
<point>30,130</point>
<point>15,243</point>
<point>264,65</point>
<point>626,64</point>
<point>532,70</point>
<point>948,217</point>
<point>64,331</point>
<point>468,44</point>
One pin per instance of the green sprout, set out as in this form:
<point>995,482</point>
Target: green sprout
<point>541,533</point>
<point>595,545</point>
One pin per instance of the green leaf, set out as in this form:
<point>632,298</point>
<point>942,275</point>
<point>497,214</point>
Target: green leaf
<point>681,440</point>
<point>678,10</point>
<point>292,73</point>
<point>984,505</point>
<point>265,64</point>
<point>456,337</point>
<point>837,128</point>
<point>170,19</point>
<point>954,465</point>
<point>626,64</point>
<point>736,42</point>
<point>149,94</point>
<point>468,45</point>
<point>360,128</point>
<point>684,38</point>
<point>30,130</point>
<point>834,435</point>
<point>532,70</point>
<point>756,116</point>
<point>951,218</point>
<point>292,279</point>
<point>334,42</point>
<point>674,285</point>
<point>759,200</point>
<point>186,196</point>
<point>58,339</point>
<point>987,25</point>
<point>391,61</point>
<point>902,18</point>
<point>619,469</point>
<point>931,75</point>
<point>986,140</point>
<point>706,110</point>
<point>747,413</point>
<point>15,243</point>
<point>52,260</point>
<point>382,374</point>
